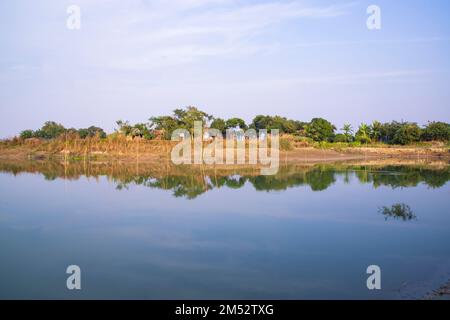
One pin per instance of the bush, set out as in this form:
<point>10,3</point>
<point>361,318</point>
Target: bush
<point>320,130</point>
<point>436,131</point>
<point>407,133</point>
<point>50,130</point>
<point>340,138</point>
<point>27,134</point>
<point>362,139</point>
<point>91,132</point>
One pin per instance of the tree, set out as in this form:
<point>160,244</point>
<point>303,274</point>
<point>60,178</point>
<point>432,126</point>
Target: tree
<point>376,131</point>
<point>124,127</point>
<point>142,130</point>
<point>181,119</point>
<point>187,117</point>
<point>348,132</point>
<point>407,133</point>
<point>218,124</point>
<point>363,133</point>
<point>388,131</point>
<point>50,130</point>
<point>165,123</point>
<point>260,122</point>
<point>26,134</point>
<point>235,122</point>
<point>283,124</point>
<point>436,131</point>
<point>320,130</point>
<point>92,131</point>
<point>340,137</point>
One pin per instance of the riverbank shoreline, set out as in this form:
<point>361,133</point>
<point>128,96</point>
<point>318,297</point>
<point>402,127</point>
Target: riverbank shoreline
<point>151,152</point>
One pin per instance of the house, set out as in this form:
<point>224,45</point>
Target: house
<point>236,133</point>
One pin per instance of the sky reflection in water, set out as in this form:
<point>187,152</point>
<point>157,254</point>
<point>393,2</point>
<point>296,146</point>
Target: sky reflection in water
<point>309,232</point>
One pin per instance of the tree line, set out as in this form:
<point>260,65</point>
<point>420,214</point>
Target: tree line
<point>318,129</point>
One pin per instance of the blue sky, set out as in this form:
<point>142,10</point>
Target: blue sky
<point>302,59</point>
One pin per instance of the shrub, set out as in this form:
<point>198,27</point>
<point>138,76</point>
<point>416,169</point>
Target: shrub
<point>320,130</point>
<point>436,131</point>
<point>407,133</point>
<point>27,134</point>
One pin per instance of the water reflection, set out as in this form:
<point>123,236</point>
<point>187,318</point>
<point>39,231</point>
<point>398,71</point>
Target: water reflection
<point>190,182</point>
<point>299,243</point>
<point>398,211</point>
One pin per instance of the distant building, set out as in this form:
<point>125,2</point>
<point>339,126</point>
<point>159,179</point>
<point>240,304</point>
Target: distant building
<point>236,133</point>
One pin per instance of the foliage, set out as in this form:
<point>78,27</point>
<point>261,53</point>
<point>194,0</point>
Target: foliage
<point>407,133</point>
<point>436,131</point>
<point>363,133</point>
<point>181,119</point>
<point>141,130</point>
<point>167,124</point>
<point>90,132</point>
<point>348,133</point>
<point>340,137</point>
<point>50,130</point>
<point>283,124</point>
<point>234,123</point>
<point>218,124</point>
<point>375,131</point>
<point>320,130</point>
<point>26,134</point>
<point>398,211</point>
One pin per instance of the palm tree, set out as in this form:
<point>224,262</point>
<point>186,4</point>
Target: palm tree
<point>348,131</point>
<point>363,134</point>
<point>376,128</point>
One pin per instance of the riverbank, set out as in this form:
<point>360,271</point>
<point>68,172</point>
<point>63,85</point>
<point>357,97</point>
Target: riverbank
<point>152,151</point>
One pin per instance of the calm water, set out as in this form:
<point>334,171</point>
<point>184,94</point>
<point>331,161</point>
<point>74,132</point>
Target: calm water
<point>154,233</point>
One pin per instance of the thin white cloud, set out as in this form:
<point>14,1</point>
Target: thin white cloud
<point>160,34</point>
<point>370,42</point>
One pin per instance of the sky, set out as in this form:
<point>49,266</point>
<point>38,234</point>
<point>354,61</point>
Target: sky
<point>135,59</point>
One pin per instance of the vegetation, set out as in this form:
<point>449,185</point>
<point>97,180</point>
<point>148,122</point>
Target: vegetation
<point>190,182</point>
<point>436,131</point>
<point>53,130</point>
<point>398,211</point>
<point>318,130</point>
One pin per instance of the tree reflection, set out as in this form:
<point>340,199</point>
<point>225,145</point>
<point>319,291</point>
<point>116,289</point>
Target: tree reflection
<point>190,181</point>
<point>398,211</point>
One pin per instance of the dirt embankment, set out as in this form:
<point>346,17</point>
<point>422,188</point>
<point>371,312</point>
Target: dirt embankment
<point>149,151</point>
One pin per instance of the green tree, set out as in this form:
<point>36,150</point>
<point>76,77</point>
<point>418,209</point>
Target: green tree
<point>50,130</point>
<point>376,131</point>
<point>283,124</point>
<point>348,132</point>
<point>187,117</point>
<point>408,133</point>
<point>124,127</point>
<point>388,131</point>
<point>340,137</point>
<point>320,130</point>
<point>167,124</point>
<point>436,131</point>
<point>260,122</point>
<point>363,133</point>
<point>234,122</point>
<point>26,134</point>
<point>218,124</point>
<point>92,131</point>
